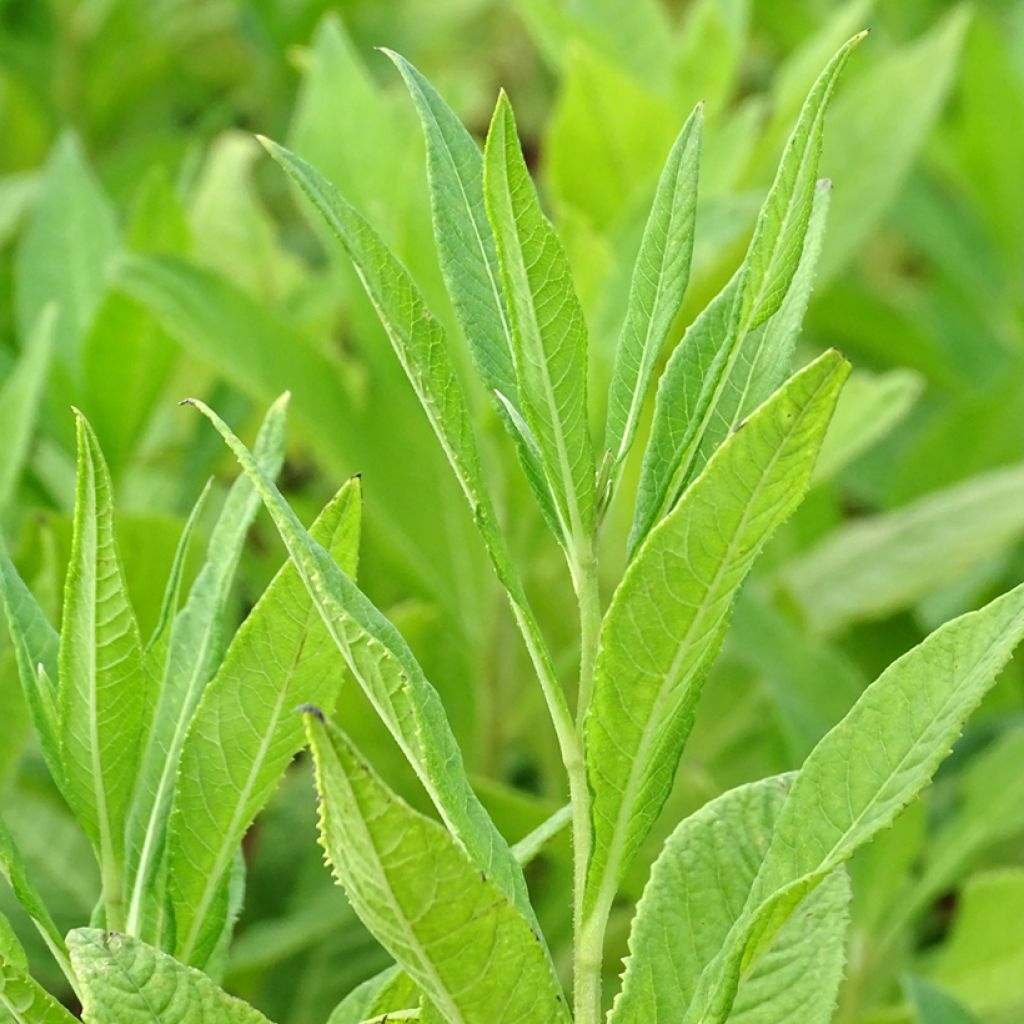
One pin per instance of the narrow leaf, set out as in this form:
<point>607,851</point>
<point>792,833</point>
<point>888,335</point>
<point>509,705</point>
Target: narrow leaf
<point>467,947</point>
<point>549,332</point>
<point>393,681</point>
<point>104,697</point>
<point>123,979</point>
<point>704,874</point>
<point>245,732</point>
<point>668,616</point>
<point>660,277</point>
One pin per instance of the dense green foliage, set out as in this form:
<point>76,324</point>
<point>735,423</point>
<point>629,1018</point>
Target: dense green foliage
<point>626,529</point>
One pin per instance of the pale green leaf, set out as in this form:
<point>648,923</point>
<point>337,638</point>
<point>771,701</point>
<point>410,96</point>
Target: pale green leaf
<point>104,698</point>
<point>123,979</point>
<point>389,990</point>
<point>25,1001</point>
<point>20,394</point>
<point>668,616</point>
<point>65,249</point>
<point>864,772</point>
<point>702,367</point>
<point>698,890</point>
<point>549,333</point>
<point>393,681</point>
<point>467,947</point>
<point>660,277</point>
<point>245,732</point>
<point>869,568</point>
<point>195,647</point>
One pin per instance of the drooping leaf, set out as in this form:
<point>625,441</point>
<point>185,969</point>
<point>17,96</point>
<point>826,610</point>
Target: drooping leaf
<point>245,732</point>
<point>864,772</point>
<point>123,979</point>
<point>104,698</point>
<point>20,394</point>
<point>660,277</point>
<point>393,681</point>
<point>697,891</point>
<point>668,616</point>
<point>549,334</point>
<point>702,366</point>
<point>875,566</point>
<point>195,647</point>
<point>464,943</point>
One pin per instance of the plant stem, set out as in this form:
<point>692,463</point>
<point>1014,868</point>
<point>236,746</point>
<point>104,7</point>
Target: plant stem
<point>585,582</point>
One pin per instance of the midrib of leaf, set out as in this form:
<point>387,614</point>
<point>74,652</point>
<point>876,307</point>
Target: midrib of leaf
<point>575,534</point>
<point>226,851</point>
<point>609,881</point>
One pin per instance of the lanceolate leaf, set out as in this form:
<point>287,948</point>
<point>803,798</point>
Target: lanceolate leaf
<point>549,332</point>
<point>865,771</point>
<point>19,402</point>
<point>702,366</point>
<point>385,667</point>
<point>469,259</point>
<point>36,644</point>
<point>698,890</point>
<point>245,732</point>
<point>123,979</point>
<point>667,618</point>
<point>194,650</point>
<point>104,697</point>
<point>474,956</point>
<point>660,276</point>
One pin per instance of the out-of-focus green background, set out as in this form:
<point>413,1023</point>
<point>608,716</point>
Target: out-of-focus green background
<point>136,203</point>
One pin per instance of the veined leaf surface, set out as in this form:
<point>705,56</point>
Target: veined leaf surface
<point>464,943</point>
<point>393,681</point>
<point>698,889</point>
<point>245,732</point>
<point>123,979</point>
<point>549,333</point>
<point>668,616</point>
<point>104,700</point>
<point>25,1000</point>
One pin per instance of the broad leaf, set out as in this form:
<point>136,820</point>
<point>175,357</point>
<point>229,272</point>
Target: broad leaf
<point>20,395</point>
<point>393,681</point>
<point>697,891</point>
<point>195,647</point>
<point>549,333</point>
<point>668,616</point>
<point>123,979</point>
<point>25,1000</point>
<point>660,277</point>
<point>864,772</point>
<point>105,698</point>
<point>467,947</point>
<point>702,367</point>
<point>245,732</point>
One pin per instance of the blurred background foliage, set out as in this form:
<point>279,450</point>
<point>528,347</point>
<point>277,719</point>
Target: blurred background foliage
<point>148,252</point>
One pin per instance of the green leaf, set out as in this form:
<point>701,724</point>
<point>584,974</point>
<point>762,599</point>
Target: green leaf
<point>933,1006</point>
<point>104,699</point>
<point>245,732</point>
<point>865,771</point>
<point>549,333</point>
<point>389,990</point>
<point>13,869</point>
<point>668,616</point>
<point>703,877</point>
<point>65,250</point>
<point>660,277</point>
<point>36,646</point>
<point>701,368</point>
<point>195,649</point>
<point>20,396</point>
<point>25,1001</point>
<point>469,259</point>
<point>875,566</point>
<point>123,979</point>
<point>393,681</point>
<point>467,947</point>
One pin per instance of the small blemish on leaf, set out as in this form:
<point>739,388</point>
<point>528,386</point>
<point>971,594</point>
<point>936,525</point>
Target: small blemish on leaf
<point>311,709</point>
